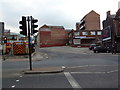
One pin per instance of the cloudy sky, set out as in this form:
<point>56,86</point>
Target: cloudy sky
<point>52,12</point>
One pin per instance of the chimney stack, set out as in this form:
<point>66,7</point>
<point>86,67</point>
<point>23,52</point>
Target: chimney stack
<point>108,13</point>
<point>77,26</point>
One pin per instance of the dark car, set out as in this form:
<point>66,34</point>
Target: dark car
<point>92,46</point>
<point>98,49</point>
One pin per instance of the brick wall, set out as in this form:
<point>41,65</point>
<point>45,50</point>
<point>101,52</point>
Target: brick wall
<point>54,37</point>
<point>92,21</point>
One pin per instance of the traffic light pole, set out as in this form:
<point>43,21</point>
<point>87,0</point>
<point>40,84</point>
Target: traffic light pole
<point>31,25</point>
<point>31,31</point>
<point>30,59</point>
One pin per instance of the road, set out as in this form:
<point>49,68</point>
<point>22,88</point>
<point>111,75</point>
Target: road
<point>83,69</point>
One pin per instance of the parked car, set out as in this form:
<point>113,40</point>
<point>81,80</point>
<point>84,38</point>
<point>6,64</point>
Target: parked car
<point>92,46</point>
<point>98,49</point>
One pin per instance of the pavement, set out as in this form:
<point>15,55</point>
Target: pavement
<point>44,70</point>
<point>35,56</point>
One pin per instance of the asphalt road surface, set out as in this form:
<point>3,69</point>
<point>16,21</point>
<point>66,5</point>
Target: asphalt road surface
<point>82,69</point>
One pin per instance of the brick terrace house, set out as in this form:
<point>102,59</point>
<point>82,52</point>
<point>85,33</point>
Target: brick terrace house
<point>87,30</point>
<point>52,36</point>
<point>107,30</point>
<point>111,31</point>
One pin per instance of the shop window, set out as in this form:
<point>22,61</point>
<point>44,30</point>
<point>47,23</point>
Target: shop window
<point>76,41</point>
<point>84,33</point>
<point>92,33</point>
<point>76,33</point>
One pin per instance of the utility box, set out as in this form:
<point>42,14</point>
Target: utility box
<point>19,48</point>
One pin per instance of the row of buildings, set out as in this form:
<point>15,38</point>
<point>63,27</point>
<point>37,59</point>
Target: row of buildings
<point>87,32</point>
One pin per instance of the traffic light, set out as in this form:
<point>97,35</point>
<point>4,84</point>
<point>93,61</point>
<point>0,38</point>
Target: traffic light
<point>23,26</point>
<point>5,39</point>
<point>33,26</point>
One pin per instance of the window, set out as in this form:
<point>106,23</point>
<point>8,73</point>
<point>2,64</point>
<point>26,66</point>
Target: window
<point>84,33</point>
<point>76,41</point>
<point>99,33</point>
<point>76,33</point>
<point>92,33</point>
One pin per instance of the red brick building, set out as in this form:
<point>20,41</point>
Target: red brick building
<point>90,21</point>
<point>52,36</point>
<point>87,30</point>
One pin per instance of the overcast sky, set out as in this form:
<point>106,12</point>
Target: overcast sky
<point>52,12</point>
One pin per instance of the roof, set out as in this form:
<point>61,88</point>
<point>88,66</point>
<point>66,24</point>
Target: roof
<point>112,16</point>
<point>17,34</point>
<point>68,30</point>
<point>7,31</point>
<point>118,12</point>
<point>47,26</point>
<point>92,11</point>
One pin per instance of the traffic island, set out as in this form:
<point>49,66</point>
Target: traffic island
<point>44,70</point>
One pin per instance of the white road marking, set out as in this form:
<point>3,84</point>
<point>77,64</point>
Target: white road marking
<point>112,71</point>
<point>87,72</point>
<point>17,80</point>
<point>71,80</point>
<point>21,76</point>
<point>91,66</point>
<point>102,65</point>
<point>13,86</point>
<point>78,66</point>
<point>63,67</point>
